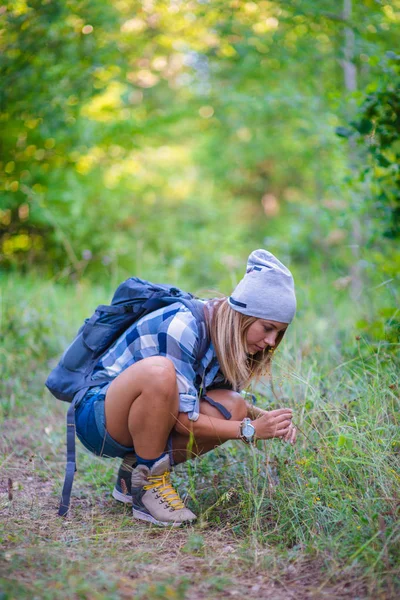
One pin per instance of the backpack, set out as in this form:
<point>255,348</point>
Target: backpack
<point>72,377</point>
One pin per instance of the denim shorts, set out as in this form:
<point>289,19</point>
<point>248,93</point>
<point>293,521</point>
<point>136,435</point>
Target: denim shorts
<point>90,422</point>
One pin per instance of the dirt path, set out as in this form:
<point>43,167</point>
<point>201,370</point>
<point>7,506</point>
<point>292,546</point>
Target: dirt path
<point>99,552</point>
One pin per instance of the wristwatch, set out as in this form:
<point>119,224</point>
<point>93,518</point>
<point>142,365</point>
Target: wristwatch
<point>247,431</point>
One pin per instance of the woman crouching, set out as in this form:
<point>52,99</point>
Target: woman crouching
<point>161,398</point>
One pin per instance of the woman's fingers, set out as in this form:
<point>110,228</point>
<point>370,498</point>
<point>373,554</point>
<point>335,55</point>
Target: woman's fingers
<point>289,433</point>
<point>282,431</point>
<point>293,436</point>
<point>278,425</point>
<point>281,411</point>
<point>282,426</point>
<point>282,418</point>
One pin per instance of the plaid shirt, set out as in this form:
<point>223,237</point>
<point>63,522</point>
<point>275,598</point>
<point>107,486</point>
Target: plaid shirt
<point>171,332</point>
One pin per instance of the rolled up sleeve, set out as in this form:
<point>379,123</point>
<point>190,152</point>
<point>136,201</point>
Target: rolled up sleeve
<point>178,341</point>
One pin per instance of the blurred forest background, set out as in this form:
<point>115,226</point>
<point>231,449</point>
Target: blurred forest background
<point>169,138</point>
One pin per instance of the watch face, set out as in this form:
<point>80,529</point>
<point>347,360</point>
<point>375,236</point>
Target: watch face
<point>248,430</point>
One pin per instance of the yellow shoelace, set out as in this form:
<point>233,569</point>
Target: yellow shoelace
<point>164,488</point>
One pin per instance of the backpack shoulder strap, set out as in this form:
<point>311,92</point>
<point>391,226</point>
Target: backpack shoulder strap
<point>70,468</point>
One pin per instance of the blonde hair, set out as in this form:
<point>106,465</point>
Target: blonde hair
<point>228,329</point>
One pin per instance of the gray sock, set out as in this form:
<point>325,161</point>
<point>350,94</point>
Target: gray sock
<point>129,461</point>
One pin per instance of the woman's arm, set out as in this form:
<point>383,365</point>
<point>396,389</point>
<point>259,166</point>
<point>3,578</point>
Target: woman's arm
<point>208,427</point>
<point>275,423</point>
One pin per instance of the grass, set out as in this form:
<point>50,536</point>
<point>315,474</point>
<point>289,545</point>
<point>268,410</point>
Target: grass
<point>320,519</point>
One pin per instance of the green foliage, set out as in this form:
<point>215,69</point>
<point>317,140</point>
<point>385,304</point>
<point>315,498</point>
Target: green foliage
<point>194,545</point>
<point>123,123</point>
<point>335,491</point>
<point>376,129</point>
<point>169,588</point>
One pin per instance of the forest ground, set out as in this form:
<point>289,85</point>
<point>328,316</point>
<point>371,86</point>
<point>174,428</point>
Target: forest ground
<point>100,552</point>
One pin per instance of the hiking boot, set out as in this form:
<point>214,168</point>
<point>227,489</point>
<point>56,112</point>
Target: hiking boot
<point>122,489</point>
<point>153,497</point>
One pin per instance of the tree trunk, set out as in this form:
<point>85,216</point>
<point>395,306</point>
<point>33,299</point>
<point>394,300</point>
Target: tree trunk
<point>350,82</point>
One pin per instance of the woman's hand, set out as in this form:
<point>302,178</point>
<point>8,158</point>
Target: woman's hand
<point>274,423</point>
<point>291,434</point>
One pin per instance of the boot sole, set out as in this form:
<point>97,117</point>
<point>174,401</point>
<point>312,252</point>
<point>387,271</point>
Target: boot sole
<point>125,498</point>
<point>146,517</point>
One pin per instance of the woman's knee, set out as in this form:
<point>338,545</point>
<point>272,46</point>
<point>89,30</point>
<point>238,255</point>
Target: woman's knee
<point>155,374</point>
<point>158,373</point>
<point>232,401</point>
<point>238,407</point>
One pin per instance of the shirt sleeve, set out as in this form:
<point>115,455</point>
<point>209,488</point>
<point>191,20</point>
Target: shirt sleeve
<point>178,339</point>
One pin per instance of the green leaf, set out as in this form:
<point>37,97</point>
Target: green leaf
<point>344,442</point>
<point>364,126</point>
<point>383,162</point>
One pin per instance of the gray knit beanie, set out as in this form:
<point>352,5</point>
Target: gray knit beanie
<point>267,289</point>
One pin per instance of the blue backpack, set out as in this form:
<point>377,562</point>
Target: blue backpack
<point>72,377</point>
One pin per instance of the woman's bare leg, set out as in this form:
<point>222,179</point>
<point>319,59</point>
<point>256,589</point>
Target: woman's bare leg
<point>141,406</point>
<point>185,448</point>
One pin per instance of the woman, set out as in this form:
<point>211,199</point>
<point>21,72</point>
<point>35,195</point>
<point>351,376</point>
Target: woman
<point>161,402</point>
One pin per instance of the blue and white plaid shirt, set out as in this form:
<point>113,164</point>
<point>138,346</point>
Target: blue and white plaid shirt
<point>171,332</point>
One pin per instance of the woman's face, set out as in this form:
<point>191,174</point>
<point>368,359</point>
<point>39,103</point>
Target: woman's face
<point>263,333</point>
